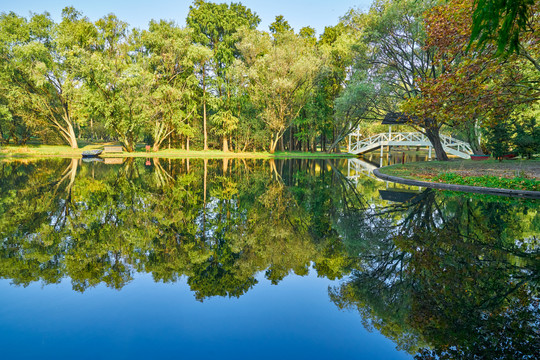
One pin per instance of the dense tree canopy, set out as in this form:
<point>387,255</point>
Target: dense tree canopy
<point>219,82</point>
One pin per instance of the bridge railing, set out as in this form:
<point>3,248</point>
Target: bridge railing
<point>375,139</point>
<point>416,138</point>
<point>456,144</point>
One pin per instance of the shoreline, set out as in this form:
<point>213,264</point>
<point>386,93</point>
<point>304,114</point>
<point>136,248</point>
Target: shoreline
<point>529,194</point>
<point>43,152</point>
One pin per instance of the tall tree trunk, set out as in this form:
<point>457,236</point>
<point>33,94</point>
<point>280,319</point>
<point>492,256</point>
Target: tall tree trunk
<point>434,137</point>
<point>204,109</point>
<point>291,142</point>
<point>128,142</point>
<point>92,129</point>
<point>72,139</point>
<point>335,142</point>
<point>225,144</point>
<point>273,143</point>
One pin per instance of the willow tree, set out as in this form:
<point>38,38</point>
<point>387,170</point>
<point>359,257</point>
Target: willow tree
<point>279,74</point>
<point>173,99</point>
<point>117,80</point>
<point>37,77</point>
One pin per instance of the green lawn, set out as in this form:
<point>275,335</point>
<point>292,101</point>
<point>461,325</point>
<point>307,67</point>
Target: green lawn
<point>508,174</point>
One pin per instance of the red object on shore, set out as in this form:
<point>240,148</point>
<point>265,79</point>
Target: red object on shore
<point>147,147</point>
<point>509,156</point>
<point>479,157</point>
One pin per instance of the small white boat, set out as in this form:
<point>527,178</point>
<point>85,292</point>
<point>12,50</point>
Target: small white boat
<point>91,153</point>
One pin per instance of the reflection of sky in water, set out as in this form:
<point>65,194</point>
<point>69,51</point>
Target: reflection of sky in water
<point>218,226</point>
<point>293,320</point>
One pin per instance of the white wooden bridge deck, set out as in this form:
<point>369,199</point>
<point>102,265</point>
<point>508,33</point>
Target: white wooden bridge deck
<point>450,145</point>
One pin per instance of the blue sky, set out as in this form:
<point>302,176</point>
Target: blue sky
<point>299,13</point>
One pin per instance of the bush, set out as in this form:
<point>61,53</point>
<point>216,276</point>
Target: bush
<point>499,140</point>
<point>527,138</point>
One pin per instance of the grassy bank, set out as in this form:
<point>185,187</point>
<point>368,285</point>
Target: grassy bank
<point>517,183</point>
<point>508,174</point>
<point>39,151</point>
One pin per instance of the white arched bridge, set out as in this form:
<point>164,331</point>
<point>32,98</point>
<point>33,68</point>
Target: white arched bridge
<point>451,145</point>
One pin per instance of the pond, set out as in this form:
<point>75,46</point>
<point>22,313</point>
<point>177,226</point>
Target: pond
<point>243,258</point>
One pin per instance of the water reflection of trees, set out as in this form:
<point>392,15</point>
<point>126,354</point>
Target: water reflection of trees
<point>442,275</point>
<point>219,224</point>
<point>455,278</point>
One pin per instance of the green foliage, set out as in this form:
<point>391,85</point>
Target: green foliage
<point>527,138</point>
<point>519,183</point>
<point>39,88</point>
<point>501,22</point>
<point>498,140</point>
<point>279,77</point>
<point>215,26</point>
<point>173,99</point>
<point>221,82</point>
<point>12,128</point>
<point>280,26</point>
<point>308,33</point>
<point>225,122</point>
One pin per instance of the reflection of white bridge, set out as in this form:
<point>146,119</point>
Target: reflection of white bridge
<point>450,145</point>
<point>359,168</point>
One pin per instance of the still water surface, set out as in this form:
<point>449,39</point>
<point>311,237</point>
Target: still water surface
<point>242,258</point>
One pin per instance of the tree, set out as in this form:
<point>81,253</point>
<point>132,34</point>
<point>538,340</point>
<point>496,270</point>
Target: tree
<point>224,124</point>
<point>336,43</point>
<point>527,136</point>
<point>472,88</point>
<point>280,26</point>
<point>394,60</point>
<point>118,80</point>
<point>498,140</point>
<point>308,33</point>
<point>173,98</point>
<point>280,73</point>
<point>12,127</point>
<point>215,26</point>
<point>502,22</point>
<point>38,77</point>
